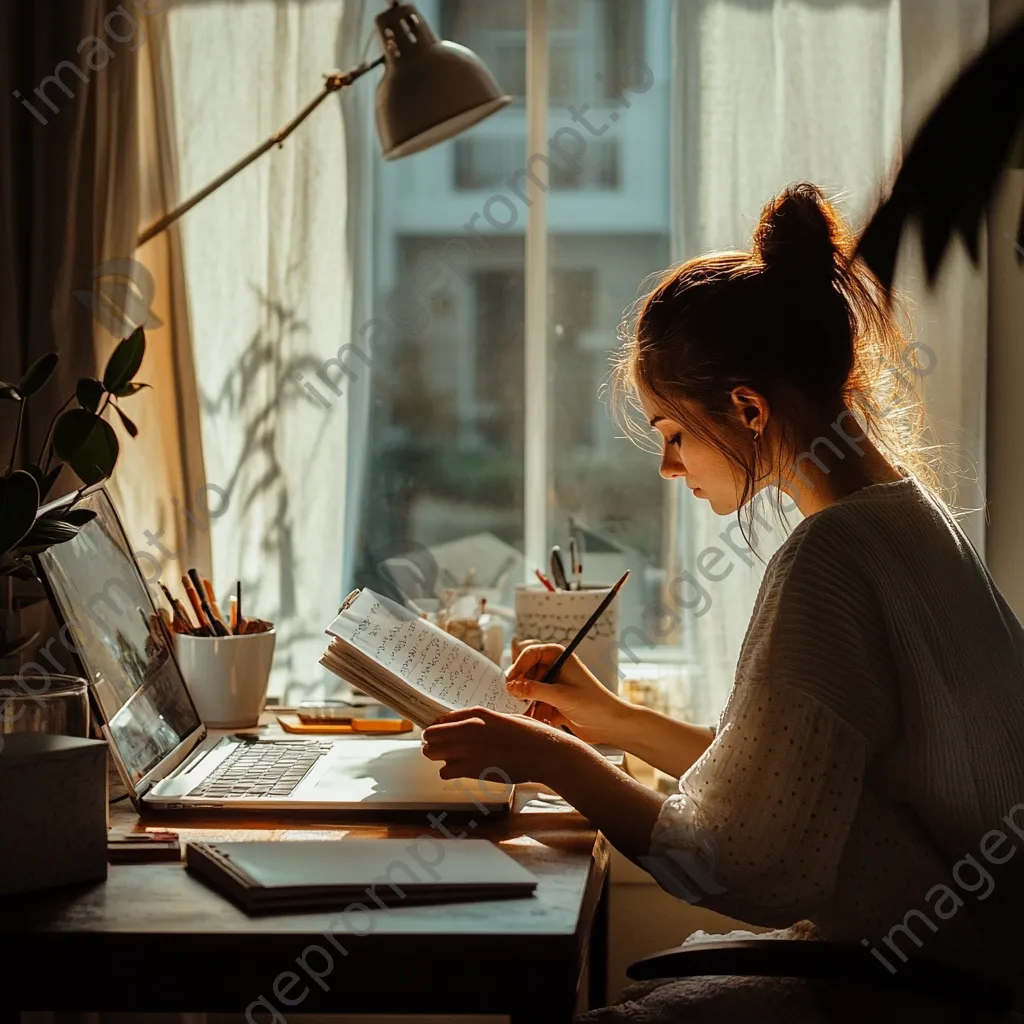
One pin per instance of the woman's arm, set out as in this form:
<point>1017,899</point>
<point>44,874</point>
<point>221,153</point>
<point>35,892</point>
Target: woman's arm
<point>623,809</point>
<point>475,742</point>
<point>580,701</point>
<point>662,742</point>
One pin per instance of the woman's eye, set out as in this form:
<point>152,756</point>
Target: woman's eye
<point>674,439</point>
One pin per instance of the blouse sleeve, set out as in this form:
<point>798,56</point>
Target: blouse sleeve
<point>758,826</point>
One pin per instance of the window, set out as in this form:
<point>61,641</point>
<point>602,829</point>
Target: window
<point>450,439</point>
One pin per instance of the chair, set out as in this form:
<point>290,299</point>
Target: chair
<point>847,961</point>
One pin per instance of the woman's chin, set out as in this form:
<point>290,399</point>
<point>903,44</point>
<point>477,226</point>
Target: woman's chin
<point>720,506</point>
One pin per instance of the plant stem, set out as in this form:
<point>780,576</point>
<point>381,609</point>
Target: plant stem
<point>53,423</point>
<point>17,436</point>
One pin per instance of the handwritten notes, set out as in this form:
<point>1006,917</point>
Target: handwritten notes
<point>423,655</point>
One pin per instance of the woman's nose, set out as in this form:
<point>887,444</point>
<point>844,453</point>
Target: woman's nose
<point>671,467</point>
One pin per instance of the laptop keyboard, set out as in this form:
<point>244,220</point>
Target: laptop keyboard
<point>261,769</point>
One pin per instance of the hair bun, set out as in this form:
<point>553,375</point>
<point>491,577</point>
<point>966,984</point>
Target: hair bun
<point>800,231</point>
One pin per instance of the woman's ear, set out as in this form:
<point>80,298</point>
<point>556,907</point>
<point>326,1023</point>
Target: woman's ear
<point>751,409</point>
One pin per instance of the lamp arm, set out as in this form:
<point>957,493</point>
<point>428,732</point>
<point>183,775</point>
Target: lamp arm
<point>332,84</point>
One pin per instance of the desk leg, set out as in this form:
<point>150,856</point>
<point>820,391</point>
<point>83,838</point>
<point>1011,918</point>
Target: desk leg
<point>597,959</point>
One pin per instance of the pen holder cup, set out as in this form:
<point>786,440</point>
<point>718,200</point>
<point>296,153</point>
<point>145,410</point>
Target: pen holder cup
<point>227,676</point>
<point>557,616</point>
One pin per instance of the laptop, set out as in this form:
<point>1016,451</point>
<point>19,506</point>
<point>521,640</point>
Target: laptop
<point>166,758</point>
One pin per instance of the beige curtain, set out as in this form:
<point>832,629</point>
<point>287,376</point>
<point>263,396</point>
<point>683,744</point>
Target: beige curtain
<point>271,290</point>
<point>771,91</point>
<point>160,486</point>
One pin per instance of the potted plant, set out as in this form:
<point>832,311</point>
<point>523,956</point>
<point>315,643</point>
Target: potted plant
<point>79,437</point>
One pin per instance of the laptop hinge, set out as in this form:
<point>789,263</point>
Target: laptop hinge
<point>172,761</point>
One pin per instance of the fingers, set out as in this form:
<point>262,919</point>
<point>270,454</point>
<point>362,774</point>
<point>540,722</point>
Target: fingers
<point>460,715</point>
<point>533,689</point>
<point>550,716</point>
<point>534,660</point>
<point>449,732</point>
<point>518,646</point>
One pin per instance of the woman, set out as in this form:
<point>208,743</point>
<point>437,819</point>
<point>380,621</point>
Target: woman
<point>872,745</point>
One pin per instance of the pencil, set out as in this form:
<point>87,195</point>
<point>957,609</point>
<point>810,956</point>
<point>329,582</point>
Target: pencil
<point>544,580</point>
<point>556,665</point>
<point>233,614</point>
<point>216,626</point>
<point>240,620</point>
<point>205,629</point>
<point>212,599</point>
<point>181,619</point>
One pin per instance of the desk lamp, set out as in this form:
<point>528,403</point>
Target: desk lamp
<point>431,90</point>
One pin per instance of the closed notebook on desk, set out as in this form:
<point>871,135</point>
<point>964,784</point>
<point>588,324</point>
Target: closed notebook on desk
<point>264,877</point>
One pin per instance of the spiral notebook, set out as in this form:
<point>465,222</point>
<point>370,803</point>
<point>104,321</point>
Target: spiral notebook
<point>409,664</point>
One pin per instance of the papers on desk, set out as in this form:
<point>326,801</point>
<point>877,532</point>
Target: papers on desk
<point>264,877</point>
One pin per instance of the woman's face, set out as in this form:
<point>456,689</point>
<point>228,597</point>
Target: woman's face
<point>701,466</point>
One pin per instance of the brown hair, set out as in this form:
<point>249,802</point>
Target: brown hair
<point>797,320</point>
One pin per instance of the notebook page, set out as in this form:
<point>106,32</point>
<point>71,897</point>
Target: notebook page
<point>424,655</point>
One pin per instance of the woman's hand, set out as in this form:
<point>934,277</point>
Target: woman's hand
<point>478,743</point>
<point>577,699</point>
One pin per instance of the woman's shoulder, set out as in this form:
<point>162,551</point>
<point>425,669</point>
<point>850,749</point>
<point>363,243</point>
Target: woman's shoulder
<point>857,541</point>
<point>866,522</point>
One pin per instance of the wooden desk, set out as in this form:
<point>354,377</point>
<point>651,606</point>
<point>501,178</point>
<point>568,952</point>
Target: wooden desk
<point>152,938</point>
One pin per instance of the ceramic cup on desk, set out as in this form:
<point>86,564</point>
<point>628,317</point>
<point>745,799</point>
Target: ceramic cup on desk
<point>227,676</point>
<point>556,617</point>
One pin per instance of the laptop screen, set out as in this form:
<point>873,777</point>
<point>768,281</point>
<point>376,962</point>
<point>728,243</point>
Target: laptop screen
<point>112,624</point>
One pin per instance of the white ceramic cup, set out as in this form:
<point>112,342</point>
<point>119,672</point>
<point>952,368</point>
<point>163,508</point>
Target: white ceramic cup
<point>227,676</point>
<point>557,616</point>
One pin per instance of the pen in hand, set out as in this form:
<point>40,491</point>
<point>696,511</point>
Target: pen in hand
<point>556,666</point>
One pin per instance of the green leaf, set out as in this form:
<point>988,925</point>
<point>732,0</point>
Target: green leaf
<point>87,444</point>
<point>37,374</point>
<point>19,502</point>
<point>128,425</point>
<point>79,516</point>
<point>46,532</point>
<point>89,393</point>
<point>74,516</point>
<point>125,361</point>
<point>130,389</point>
<point>9,392</point>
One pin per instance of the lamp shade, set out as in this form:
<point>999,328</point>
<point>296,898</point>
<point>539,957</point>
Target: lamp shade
<point>431,89</point>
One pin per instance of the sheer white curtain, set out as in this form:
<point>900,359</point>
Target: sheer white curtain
<point>771,91</point>
<point>270,278</point>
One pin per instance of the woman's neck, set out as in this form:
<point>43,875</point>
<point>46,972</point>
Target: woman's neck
<point>831,468</point>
